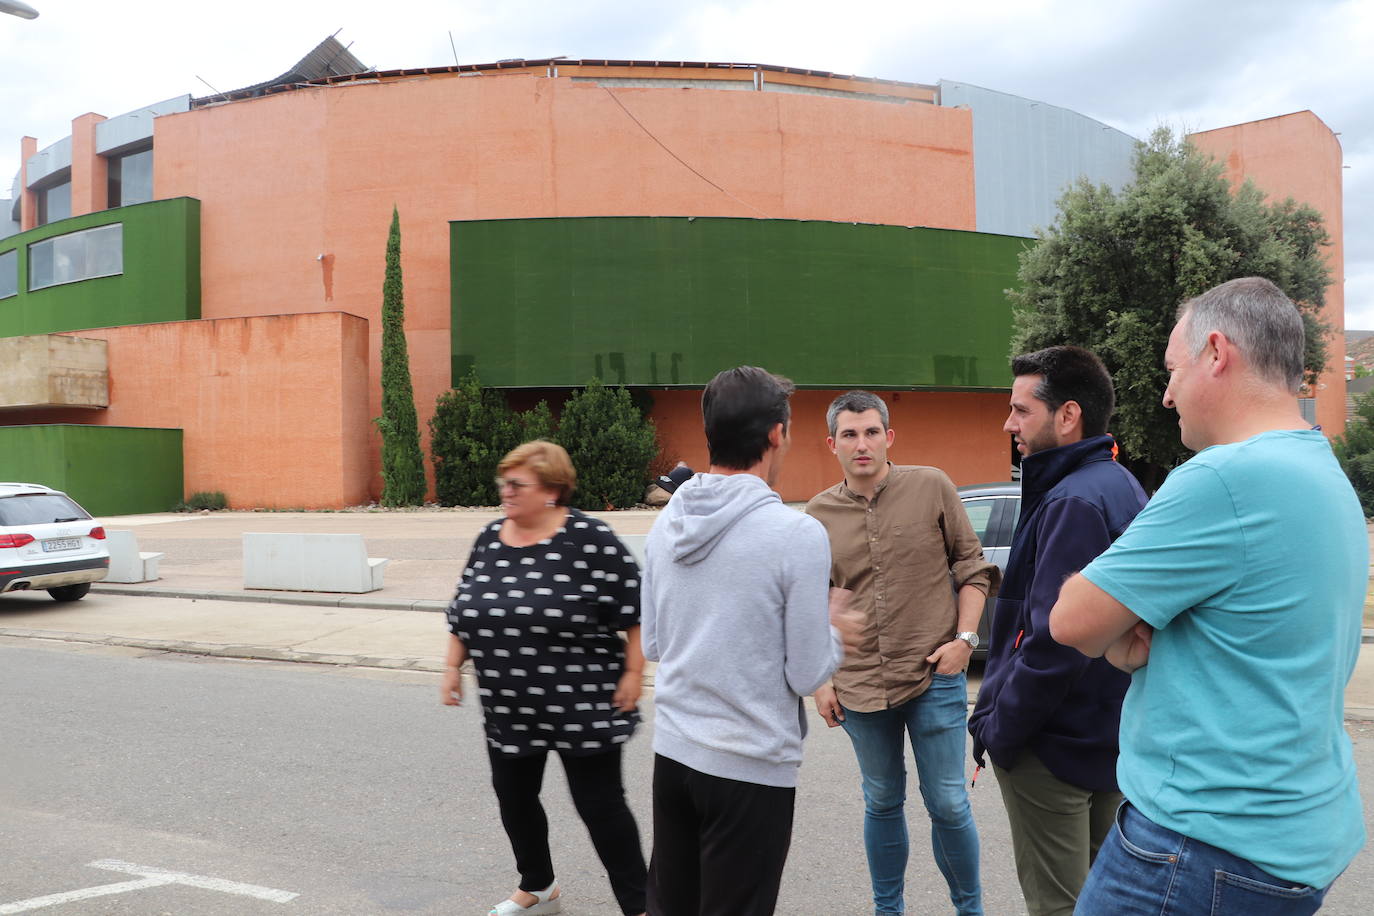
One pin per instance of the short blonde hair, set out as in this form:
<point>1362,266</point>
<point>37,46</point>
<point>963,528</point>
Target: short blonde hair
<point>547,461</point>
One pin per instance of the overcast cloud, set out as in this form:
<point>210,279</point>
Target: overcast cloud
<point>1193,64</point>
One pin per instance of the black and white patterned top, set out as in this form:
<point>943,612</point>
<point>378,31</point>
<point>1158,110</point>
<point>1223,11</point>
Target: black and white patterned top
<point>541,626</point>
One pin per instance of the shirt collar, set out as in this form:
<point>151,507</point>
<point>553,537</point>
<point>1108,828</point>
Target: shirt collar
<point>845,491</point>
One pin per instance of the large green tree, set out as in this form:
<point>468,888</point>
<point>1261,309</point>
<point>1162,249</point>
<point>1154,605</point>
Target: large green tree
<point>1355,451</point>
<point>403,467</point>
<point>1111,271</point>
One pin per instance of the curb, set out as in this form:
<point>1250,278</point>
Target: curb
<point>218,650</point>
<point>322,599</point>
<point>259,653</point>
<point>315,599</point>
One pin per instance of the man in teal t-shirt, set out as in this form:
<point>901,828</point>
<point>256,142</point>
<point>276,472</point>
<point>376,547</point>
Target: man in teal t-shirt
<point>1236,598</point>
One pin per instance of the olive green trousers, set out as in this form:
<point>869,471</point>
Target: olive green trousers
<point>1056,830</point>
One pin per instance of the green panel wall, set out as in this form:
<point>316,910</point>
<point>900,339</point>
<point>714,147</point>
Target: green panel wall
<point>161,279</point>
<point>665,301</point>
<point>109,470</point>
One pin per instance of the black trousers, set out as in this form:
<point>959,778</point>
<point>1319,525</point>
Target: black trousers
<point>599,797</point>
<point>719,844</point>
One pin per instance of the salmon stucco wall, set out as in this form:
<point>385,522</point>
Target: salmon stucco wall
<point>1298,156</point>
<point>273,409</point>
<point>298,187</point>
<point>958,432</point>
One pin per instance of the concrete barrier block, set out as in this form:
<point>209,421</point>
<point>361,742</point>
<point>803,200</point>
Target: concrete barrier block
<point>310,563</point>
<point>127,562</point>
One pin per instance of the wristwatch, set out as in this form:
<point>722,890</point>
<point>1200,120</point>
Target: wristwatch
<point>970,637</point>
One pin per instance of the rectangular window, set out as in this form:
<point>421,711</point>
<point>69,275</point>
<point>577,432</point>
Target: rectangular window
<point>9,273</point>
<point>1308,408</point>
<point>131,179</point>
<point>77,256</point>
<point>54,203</point>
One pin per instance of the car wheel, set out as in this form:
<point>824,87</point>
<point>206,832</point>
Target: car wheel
<point>70,592</point>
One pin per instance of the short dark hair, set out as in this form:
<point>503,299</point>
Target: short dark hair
<point>1071,374</point>
<point>1258,318</point>
<point>854,402</point>
<point>741,406</point>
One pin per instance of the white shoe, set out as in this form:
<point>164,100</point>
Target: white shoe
<point>545,904</point>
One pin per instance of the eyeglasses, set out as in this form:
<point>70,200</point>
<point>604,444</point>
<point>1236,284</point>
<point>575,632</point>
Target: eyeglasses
<point>516,485</point>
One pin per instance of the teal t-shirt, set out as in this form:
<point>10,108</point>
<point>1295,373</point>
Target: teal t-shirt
<point>1251,564</point>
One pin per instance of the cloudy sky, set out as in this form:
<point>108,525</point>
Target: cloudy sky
<point>1192,64</point>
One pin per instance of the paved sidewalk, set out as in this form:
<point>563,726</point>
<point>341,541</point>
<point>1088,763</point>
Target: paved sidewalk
<point>426,549</point>
<point>398,627</point>
<point>219,617</point>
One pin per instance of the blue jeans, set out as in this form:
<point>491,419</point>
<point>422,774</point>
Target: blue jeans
<point>1143,868</point>
<point>937,724</point>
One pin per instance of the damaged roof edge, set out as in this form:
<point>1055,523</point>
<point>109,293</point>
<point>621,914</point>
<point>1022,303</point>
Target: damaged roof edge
<point>342,67</point>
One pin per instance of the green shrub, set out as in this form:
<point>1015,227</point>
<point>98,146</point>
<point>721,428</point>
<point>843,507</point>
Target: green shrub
<point>537,423</point>
<point>203,500</point>
<point>611,443</point>
<point>471,431</point>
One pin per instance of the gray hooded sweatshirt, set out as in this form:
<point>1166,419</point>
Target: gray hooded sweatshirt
<point>735,610</point>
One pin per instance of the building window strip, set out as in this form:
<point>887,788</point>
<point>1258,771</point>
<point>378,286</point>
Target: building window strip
<point>77,256</point>
<point>9,273</point>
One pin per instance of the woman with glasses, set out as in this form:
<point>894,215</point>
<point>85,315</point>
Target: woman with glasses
<point>539,609</point>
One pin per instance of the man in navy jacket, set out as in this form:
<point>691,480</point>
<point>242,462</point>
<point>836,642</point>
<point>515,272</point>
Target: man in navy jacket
<point>1048,715</point>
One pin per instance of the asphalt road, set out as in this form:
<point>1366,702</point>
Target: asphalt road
<point>356,791</point>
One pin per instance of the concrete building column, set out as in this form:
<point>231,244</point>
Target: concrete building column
<point>90,170</point>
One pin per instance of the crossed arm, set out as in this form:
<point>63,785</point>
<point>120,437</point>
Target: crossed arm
<point>1096,624</point>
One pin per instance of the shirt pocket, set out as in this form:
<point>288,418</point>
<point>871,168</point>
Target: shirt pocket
<point>915,550</point>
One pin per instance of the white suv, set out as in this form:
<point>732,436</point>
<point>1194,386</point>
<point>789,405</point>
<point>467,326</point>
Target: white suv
<point>48,542</point>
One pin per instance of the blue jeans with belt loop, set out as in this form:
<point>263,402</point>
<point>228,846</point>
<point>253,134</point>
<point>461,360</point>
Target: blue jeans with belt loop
<point>936,722</point>
<point>1144,869</point>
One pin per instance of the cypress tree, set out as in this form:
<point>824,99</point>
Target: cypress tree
<point>403,468</point>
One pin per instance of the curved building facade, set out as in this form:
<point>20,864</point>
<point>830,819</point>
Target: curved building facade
<point>648,223</point>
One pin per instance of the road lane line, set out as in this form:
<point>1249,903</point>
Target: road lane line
<point>203,882</point>
<point>37,903</point>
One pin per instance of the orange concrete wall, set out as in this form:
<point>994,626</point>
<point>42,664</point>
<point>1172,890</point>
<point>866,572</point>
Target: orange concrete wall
<point>958,432</point>
<point>1298,156</point>
<point>273,409</point>
<point>288,178</point>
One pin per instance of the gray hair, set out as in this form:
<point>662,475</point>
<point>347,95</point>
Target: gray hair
<point>1258,318</point>
<point>854,402</point>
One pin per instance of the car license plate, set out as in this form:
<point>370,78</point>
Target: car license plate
<point>61,544</point>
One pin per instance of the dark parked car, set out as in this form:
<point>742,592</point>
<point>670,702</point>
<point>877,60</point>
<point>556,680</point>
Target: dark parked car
<point>993,509</point>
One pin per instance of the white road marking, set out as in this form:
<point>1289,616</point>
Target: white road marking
<point>149,877</point>
<point>36,903</point>
<point>200,881</point>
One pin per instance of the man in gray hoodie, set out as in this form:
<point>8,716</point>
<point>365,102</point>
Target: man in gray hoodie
<point>735,612</point>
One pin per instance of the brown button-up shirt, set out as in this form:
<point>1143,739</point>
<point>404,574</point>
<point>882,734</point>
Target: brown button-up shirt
<point>898,552</point>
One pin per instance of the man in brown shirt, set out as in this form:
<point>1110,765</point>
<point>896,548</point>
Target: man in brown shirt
<point>897,536</point>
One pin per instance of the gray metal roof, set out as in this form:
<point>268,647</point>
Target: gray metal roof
<point>327,59</point>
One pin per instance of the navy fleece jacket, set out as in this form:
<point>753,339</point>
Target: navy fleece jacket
<point>1037,694</point>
